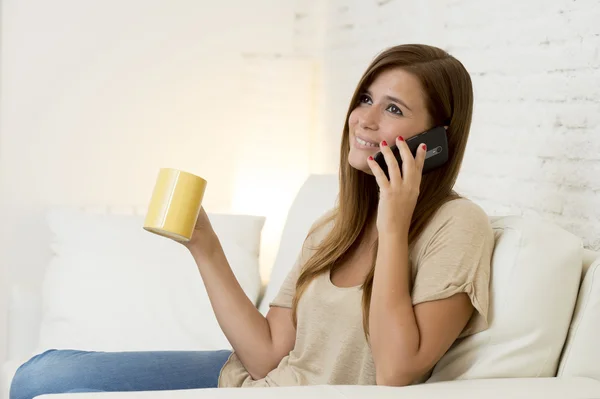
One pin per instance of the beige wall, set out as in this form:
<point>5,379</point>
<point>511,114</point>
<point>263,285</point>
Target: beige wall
<point>97,96</point>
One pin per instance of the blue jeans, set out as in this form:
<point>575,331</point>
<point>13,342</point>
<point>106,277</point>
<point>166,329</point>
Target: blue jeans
<point>63,371</point>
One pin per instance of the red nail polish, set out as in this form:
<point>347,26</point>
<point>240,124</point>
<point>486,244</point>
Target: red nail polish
<point>383,143</point>
<point>400,138</point>
<point>425,147</point>
<point>370,158</point>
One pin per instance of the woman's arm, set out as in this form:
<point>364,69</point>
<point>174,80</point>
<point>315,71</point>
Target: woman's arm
<point>259,342</point>
<point>408,341</point>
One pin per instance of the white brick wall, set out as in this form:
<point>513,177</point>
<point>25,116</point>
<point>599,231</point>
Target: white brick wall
<point>535,64</point>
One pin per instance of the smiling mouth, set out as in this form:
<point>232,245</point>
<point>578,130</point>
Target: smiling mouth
<point>365,143</point>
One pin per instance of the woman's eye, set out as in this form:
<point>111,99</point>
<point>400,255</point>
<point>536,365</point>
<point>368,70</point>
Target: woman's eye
<point>364,99</point>
<point>394,109</point>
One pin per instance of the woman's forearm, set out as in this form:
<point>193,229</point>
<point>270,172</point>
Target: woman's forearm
<point>244,326</point>
<point>394,333</point>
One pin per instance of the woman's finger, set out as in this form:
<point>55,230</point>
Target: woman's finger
<point>392,163</point>
<point>420,158</point>
<point>380,177</point>
<point>408,161</point>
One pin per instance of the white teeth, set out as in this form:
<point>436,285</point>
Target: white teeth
<point>362,142</point>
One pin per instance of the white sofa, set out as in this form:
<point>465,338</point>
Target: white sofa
<point>544,315</point>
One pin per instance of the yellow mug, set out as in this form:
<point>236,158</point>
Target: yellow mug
<point>175,204</point>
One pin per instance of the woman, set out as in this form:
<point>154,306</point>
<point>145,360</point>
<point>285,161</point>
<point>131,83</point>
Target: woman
<point>384,285</point>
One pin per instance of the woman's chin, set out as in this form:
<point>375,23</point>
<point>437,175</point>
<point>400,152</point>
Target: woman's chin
<point>360,165</point>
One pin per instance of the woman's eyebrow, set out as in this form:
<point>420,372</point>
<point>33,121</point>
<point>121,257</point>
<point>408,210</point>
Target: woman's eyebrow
<point>393,99</point>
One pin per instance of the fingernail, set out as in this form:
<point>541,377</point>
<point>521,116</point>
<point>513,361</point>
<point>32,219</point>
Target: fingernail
<point>384,143</point>
<point>370,158</point>
<point>400,138</point>
<point>425,147</point>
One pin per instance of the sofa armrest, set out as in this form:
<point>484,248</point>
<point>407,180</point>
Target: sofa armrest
<point>580,352</point>
<point>588,258</point>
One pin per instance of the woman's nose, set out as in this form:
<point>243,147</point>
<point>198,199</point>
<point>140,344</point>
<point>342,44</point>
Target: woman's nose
<point>369,119</point>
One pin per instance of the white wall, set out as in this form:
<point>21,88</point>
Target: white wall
<point>535,64</point>
<point>97,96</point>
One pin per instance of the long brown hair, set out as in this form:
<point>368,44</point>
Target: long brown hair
<point>449,100</point>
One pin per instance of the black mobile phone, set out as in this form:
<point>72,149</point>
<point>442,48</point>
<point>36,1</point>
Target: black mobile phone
<point>437,149</point>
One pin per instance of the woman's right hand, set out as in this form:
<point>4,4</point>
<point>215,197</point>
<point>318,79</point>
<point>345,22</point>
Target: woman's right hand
<point>203,237</point>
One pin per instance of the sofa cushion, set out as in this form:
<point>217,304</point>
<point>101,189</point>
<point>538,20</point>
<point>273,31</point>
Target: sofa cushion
<point>536,269</point>
<point>113,286</point>
<point>582,353</point>
<point>516,388</point>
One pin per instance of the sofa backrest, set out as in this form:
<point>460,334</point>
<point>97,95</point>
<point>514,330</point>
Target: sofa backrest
<point>118,287</point>
<point>537,269</point>
<point>316,196</point>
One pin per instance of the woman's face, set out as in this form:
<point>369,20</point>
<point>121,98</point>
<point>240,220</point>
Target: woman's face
<point>393,105</point>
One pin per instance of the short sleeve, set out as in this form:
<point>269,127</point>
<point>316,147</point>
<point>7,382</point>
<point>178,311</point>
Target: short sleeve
<point>456,258</point>
<point>287,291</point>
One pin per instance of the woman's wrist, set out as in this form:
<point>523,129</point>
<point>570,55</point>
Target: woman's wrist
<point>393,236</point>
<point>204,248</point>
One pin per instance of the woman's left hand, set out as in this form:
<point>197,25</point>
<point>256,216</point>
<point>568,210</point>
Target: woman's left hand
<point>398,195</point>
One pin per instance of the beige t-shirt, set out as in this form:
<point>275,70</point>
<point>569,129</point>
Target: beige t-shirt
<point>452,255</point>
